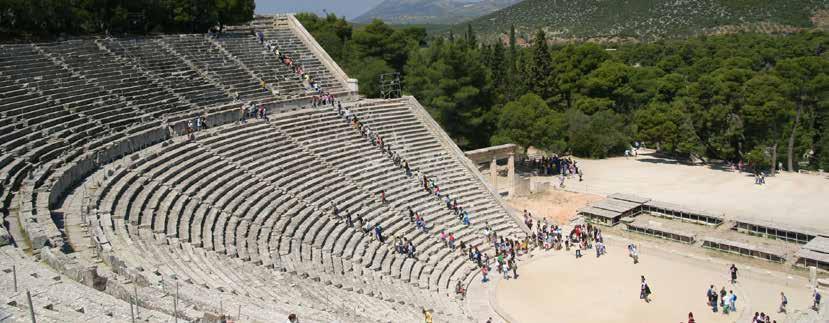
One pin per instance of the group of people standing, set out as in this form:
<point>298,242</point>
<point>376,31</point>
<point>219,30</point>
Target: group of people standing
<point>555,165</point>
<point>727,300</point>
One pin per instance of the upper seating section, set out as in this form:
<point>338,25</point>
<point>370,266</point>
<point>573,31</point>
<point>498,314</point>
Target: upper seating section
<point>401,124</point>
<point>278,30</point>
<point>172,70</point>
<point>264,64</point>
<point>63,98</point>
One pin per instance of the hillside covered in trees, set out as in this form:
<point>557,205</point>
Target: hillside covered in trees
<point>431,11</point>
<point>47,18</point>
<point>647,20</point>
<point>753,97</point>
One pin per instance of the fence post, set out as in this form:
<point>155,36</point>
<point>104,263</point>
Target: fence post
<point>132,312</point>
<point>14,274</point>
<point>31,307</point>
<point>175,305</point>
<point>135,289</point>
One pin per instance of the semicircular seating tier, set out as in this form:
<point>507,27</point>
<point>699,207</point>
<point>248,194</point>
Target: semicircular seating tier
<point>100,180</point>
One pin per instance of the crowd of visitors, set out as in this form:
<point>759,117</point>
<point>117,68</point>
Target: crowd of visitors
<point>549,166</point>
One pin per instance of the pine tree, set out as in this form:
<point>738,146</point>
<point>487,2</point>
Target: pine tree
<point>499,67</point>
<point>541,70</point>
<point>470,37</point>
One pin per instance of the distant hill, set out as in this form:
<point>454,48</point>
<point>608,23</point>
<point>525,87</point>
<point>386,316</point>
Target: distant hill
<point>650,19</point>
<point>431,11</point>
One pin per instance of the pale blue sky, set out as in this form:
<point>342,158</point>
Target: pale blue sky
<point>348,8</point>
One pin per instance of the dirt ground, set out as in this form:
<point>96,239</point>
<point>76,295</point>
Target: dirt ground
<point>557,206</point>
<point>556,287</point>
<point>791,199</point>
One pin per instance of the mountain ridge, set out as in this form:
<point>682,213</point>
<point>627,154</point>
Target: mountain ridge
<point>431,11</point>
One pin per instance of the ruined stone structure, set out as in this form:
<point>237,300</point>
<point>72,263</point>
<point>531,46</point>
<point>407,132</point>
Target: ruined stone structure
<point>105,193</point>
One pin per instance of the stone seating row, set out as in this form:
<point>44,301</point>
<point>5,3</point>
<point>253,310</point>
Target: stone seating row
<point>53,124</point>
<point>172,70</point>
<point>277,29</point>
<point>174,259</point>
<point>364,164</point>
<point>320,203</point>
<point>139,91</point>
<point>207,57</point>
<point>264,64</point>
<point>400,127</point>
<point>56,298</point>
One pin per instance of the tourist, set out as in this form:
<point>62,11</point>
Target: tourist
<point>484,273</point>
<point>378,231</point>
<point>514,267</point>
<point>427,316</point>
<point>713,303</point>
<point>411,250</point>
<point>710,295</point>
<point>451,240</point>
<point>460,290</point>
<point>733,271</point>
<point>292,318</point>
<point>634,253</point>
<point>691,318</point>
<point>783,302</point>
<point>723,293</point>
<point>505,269</point>
<point>732,301</point>
<point>645,291</point>
<point>816,302</point>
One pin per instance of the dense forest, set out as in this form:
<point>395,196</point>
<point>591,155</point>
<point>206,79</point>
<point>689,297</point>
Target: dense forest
<point>753,97</point>
<point>42,18</point>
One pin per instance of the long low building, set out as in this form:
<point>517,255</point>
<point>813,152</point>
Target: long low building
<point>775,230</point>
<point>814,253</point>
<point>682,212</point>
<point>619,205</point>
<point>648,228</point>
<point>745,249</point>
<point>609,211</point>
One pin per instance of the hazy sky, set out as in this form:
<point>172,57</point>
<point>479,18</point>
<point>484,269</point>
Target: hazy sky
<point>348,8</point>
